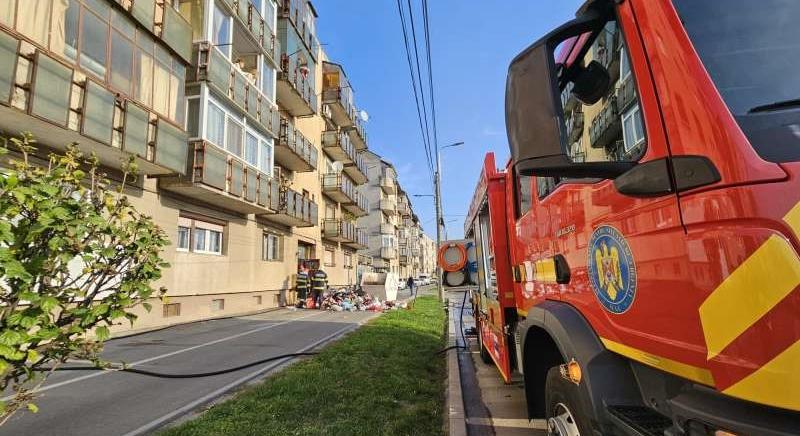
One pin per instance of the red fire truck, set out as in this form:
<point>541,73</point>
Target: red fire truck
<point>638,255</point>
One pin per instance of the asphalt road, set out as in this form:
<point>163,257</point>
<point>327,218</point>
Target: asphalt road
<point>113,403</point>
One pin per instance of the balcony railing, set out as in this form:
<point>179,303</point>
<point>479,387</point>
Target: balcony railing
<point>294,151</point>
<point>388,206</point>
<point>295,210</point>
<point>294,11</point>
<point>295,91</point>
<point>339,188</point>
<point>339,230</point>
<point>338,146</point>
<point>387,229</point>
<point>219,178</point>
<point>388,253</point>
<point>358,134</point>
<point>220,74</point>
<point>173,28</point>
<point>46,98</point>
<point>403,208</point>
<point>258,30</point>
<point>359,207</point>
<point>388,185</point>
<point>357,170</point>
<point>363,259</point>
<point>361,240</point>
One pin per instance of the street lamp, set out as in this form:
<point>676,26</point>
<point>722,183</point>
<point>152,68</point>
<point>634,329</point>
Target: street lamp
<point>437,181</point>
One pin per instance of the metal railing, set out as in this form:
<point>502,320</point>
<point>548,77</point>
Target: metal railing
<point>291,138</point>
<point>292,73</point>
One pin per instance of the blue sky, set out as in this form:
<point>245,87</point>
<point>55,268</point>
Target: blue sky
<point>472,43</point>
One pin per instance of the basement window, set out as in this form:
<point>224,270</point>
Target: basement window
<point>172,309</point>
<point>217,305</point>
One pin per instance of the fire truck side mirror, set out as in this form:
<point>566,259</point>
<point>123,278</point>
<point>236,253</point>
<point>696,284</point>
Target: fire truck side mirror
<point>536,137</point>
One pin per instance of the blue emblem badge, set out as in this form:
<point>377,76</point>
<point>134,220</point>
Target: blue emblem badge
<point>612,270</point>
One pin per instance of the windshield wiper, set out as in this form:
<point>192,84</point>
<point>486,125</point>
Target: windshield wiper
<point>778,105</point>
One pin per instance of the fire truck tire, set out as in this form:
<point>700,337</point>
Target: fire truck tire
<point>565,416</point>
<point>485,356</point>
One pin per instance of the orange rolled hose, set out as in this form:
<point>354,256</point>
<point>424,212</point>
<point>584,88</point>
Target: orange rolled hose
<point>452,266</point>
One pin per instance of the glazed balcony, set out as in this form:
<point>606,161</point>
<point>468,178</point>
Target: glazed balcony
<point>254,29</point>
<point>360,242</point>
<point>388,206</point>
<point>387,229</point>
<point>338,188</point>
<point>359,207</point>
<point>358,134</point>
<point>293,151</point>
<point>388,185</point>
<point>294,210</point>
<point>338,95</point>
<point>163,20</point>
<point>388,253</point>
<point>339,230</point>
<point>295,91</point>
<point>218,178</point>
<point>213,68</point>
<point>294,12</point>
<point>51,100</point>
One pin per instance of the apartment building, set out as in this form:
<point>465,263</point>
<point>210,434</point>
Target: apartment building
<point>247,138</point>
<point>428,254</point>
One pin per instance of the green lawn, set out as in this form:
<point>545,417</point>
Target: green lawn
<point>382,379</point>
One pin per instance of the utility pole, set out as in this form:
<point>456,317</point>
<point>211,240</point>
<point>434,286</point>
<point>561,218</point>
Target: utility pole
<point>437,181</point>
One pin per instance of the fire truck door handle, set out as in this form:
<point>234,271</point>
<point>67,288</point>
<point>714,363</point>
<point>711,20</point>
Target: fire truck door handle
<point>562,269</point>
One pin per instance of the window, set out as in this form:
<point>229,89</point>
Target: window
<point>251,150</point>
<point>222,31</point>
<point>121,62</point>
<point>268,81</point>
<point>257,300</point>
<point>199,236</point>
<point>143,68</point>
<point>192,117</point>
<point>183,238</point>
<point>348,261</point>
<point>329,257</point>
<point>265,163</point>
<point>161,81</point>
<point>172,309</point>
<point>234,136</point>
<point>33,19</point>
<point>7,12</point>
<point>270,249</point>
<point>632,130</point>
<point>94,40</point>
<point>611,129</point>
<point>215,127</point>
<point>217,304</point>
<point>64,30</point>
<point>523,195</point>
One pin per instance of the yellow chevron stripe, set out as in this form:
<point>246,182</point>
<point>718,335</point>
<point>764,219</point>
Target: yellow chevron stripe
<point>694,373</point>
<point>775,384</point>
<point>755,287</point>
<point>793,219</point>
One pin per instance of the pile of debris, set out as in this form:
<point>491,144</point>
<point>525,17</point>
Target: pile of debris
<point>349,300</point>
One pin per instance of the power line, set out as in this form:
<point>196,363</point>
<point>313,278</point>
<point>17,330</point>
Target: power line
<point>419,78</point>
<point>430,73</point>
<point>423,131</point>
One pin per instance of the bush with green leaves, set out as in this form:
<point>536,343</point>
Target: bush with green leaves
<point>75,258</point>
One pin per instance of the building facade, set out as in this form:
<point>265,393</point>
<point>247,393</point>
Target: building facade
<point>247,138</point>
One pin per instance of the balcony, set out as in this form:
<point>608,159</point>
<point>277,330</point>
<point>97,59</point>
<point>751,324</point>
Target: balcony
<point>357,170</point>
<point>404,256</point>
<point>403,208</point>
<point>358,134</point>
<point>338,188</point>
<point>338,95</point>
<point>294,151</point>
<point>359,207</point>
<point>294,90</point>
<point>388,185</point>
<point>294,11</point>
<point>365,260</point>
<point>360,242</point>
<point>294,210</point>
<point>253,29</point>
<point>388,253</point>
<point>388,206</point>
<point>387,229</point>
<point>226,80</point>
<point>339,230</point>
<point>338,146</point>
<point>46,99</point>
<point>220,179</point>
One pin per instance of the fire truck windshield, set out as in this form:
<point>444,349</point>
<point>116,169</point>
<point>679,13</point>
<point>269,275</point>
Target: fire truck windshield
<point>752,53</point>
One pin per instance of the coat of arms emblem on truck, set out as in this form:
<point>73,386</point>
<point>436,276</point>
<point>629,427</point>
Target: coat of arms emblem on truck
<point>612,270</point>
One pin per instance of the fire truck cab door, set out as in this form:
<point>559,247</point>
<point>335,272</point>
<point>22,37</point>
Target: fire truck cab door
<point>625,253</point>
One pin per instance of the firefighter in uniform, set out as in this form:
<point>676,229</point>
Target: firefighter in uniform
<point>319,283</point>
<point>302,285</point>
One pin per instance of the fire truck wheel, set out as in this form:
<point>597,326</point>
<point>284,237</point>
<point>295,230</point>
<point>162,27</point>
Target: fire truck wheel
<point>485,356</point>
<point>565,416</point>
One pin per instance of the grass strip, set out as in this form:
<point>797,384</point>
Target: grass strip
<point>383,379</point>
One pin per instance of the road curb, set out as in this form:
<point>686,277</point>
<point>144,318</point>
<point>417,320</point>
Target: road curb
<point>454,402</point>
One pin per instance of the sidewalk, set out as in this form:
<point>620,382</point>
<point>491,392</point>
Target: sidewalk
<point>479,402</point>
